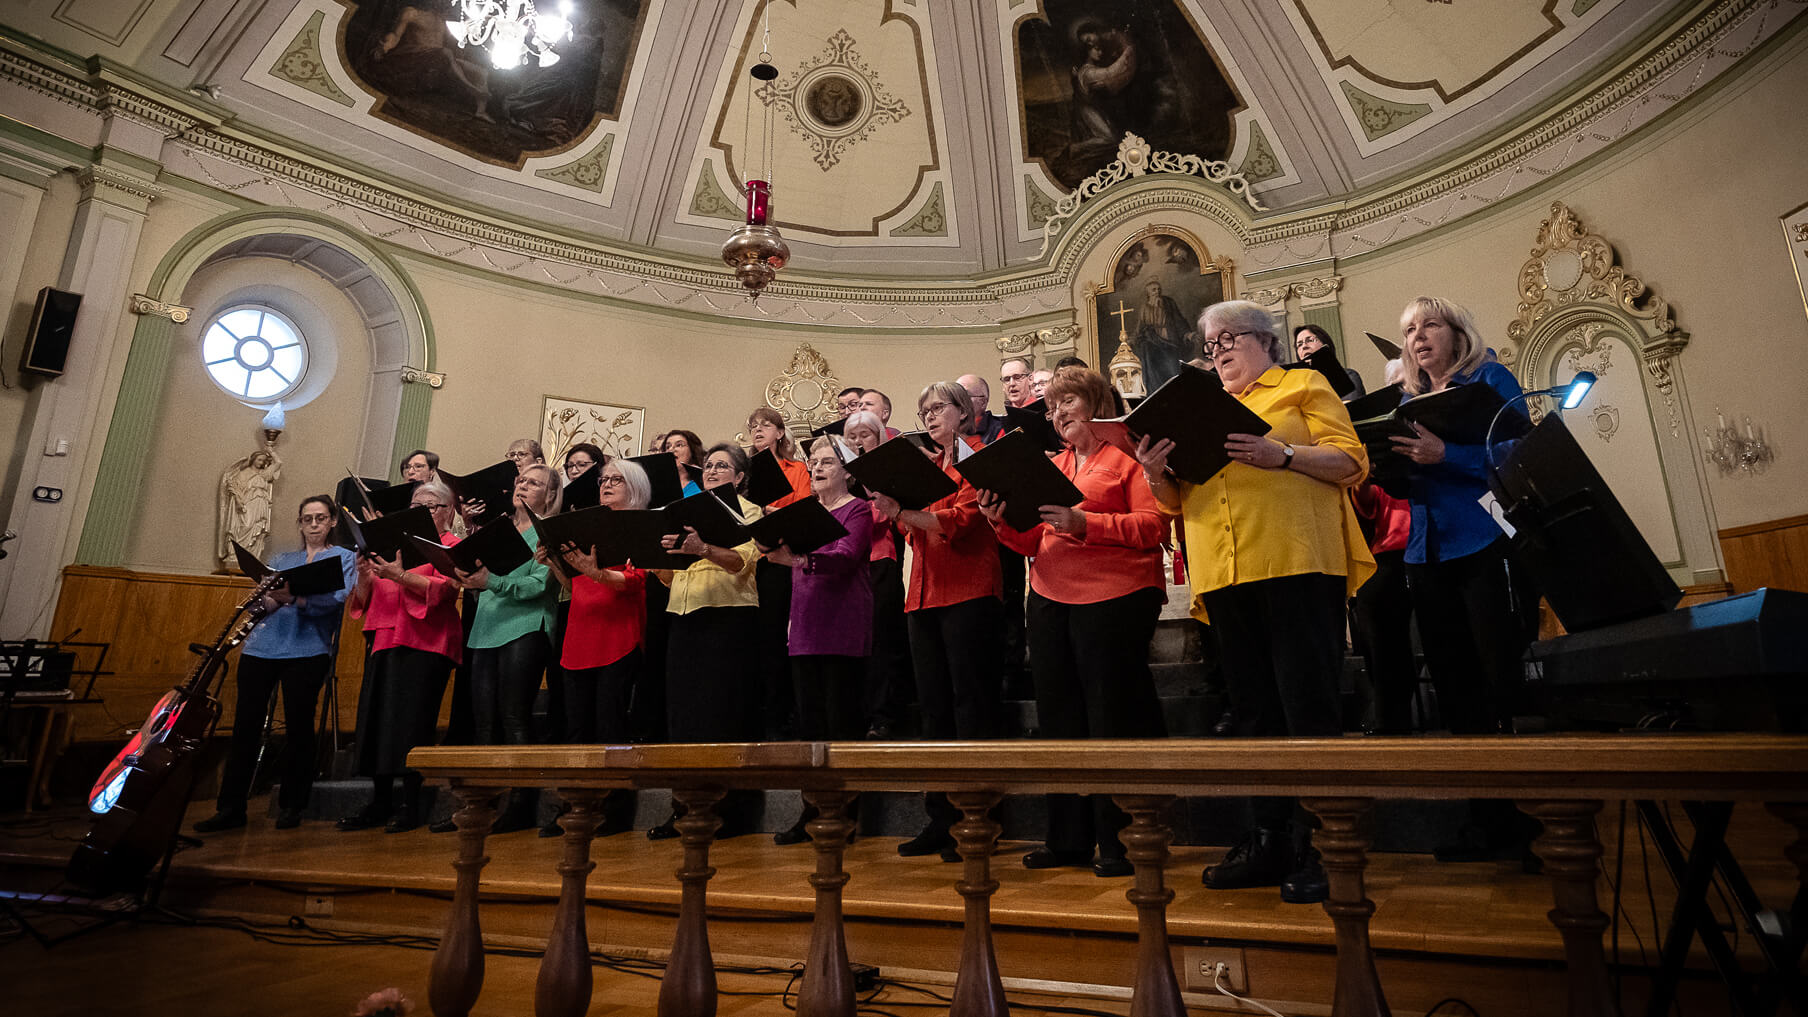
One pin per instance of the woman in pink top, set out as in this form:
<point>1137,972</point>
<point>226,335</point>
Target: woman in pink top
<point>412,616</point>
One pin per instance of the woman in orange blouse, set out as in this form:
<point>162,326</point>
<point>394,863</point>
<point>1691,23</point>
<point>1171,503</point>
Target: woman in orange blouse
<point>952,605</point>
<point>1096,590</point>
<point>1273,550</point>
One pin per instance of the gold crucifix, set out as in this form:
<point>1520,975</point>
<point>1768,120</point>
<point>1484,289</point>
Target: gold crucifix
<point>1122,332</point>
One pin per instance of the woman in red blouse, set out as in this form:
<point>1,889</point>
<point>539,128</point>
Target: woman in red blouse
<point>1096,590</point>
<point>604,636</point>
<point>952,604</point>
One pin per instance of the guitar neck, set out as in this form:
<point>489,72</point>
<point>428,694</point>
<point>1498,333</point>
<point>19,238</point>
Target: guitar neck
<point>236,628</point>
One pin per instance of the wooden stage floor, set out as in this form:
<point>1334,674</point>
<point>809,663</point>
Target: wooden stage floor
<point>1476,931</point>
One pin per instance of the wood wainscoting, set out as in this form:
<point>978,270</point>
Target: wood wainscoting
<point>149,619</point>
<point>1773,554</point>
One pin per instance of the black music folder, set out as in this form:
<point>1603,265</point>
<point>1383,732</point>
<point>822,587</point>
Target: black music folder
<point>1033,421</point>
<point>497,546</point>
<point>662,473</point>
<point>321,576</point>
<point>766,480</point>
<point>379,496</point>
<point>708,513</point>
<point>493,485</point>
<point>1192,410</point>
<point>1017,469</point>
<point>585,491</point>
<point>1389,349</point>
<point>899,470</point>
<point>616,537</point>
<point>803,526</point>
<point>1461,414</point>
<point>834,427</point>
<point>387,536</point>
<point>1324,361</point>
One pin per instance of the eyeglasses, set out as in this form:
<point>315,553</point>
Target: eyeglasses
<point>611,480</point>
<point>1222,341</point>
<point>934,408</point>
<point>518,454</point>
<point>712,465</point>
<point>319,518</point>
<point>431,505</point>
<point>579,464</point>
<point>1008,378</point>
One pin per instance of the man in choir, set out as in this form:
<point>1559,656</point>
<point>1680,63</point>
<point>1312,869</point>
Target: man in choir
<point>420,465</point>
<point>988,426</point>
<point>847,401</point>
<point>1039,383</point>
<point>524,452</point>
<point>879,405</point>
<point>1015,375</point>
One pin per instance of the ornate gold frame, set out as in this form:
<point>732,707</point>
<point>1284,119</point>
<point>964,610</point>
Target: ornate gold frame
<point>1091,341</point>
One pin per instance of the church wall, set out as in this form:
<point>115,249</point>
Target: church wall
<point>1692,210</point>
<point>40,258</point>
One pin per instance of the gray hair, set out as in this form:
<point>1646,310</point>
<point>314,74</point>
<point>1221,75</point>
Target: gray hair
<point>639,485</point>
<point>952,392</point>
<point>1243,316</point>
<point>865,418</point>
<point>439,489</point>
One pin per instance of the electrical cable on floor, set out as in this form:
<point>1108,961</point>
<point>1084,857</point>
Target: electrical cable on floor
<point>1218,983</point>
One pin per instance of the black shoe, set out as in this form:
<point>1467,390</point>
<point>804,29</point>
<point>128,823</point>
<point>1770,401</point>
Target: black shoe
<point>1226,725</point>
<point>951,854</point>
<point>1263,858</point>
<point>795,835</point>
<point>363,819</point>
<point>288,819</point>
<point>446,825</point>
<point>880,731</point>
<point>1308,884</point>
<point>1113,868</point>
<point>928,842</point>
<point>221,821</point>
<point>666,830</point>
<point>1048,858</point>
<point>402,822</point>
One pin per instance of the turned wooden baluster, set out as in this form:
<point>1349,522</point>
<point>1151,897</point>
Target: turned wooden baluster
<point>1343,841</point>
<point>827,987</point>
<point>1154,991</point>
<point>978,992</point>
<point>1572,858</point>
<point>457,974</point>
<point>689,986</point>
<point>563,986</point>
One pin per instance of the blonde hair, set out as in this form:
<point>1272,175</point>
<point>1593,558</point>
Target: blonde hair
<point>555,487</point>
<point>1466,346</point>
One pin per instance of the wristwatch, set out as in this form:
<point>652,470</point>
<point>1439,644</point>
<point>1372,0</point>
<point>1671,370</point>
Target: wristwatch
<point>1287,449</point>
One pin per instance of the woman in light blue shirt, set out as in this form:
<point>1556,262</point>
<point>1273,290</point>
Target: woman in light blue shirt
<point>291,648</point>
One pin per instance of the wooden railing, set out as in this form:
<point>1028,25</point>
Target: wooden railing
<point>1560,780</point>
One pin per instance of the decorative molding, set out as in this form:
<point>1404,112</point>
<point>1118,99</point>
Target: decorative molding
<point>97,176</point>
<point>141,304</point>
<point>869,108</point>
<point>930,221</point>
<point>1039,206</point>
<point>1380,117</point>
<point>301,64</point>
<point>1319,288</point>
<point>804,394</point>
<point>1055,337</point>
<point>1569,265</point>
<point>1272,297</point>
<point>414,375</point>
<point>709,199</point>
<point>1259,162</point>
<point>587,173</point>
<point>1134,158</point>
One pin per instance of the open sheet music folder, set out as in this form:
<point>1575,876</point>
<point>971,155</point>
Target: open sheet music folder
<point>1192,410</point>
<point>1016,468</point>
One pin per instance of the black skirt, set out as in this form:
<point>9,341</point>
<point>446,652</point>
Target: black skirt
<point>399,707</point>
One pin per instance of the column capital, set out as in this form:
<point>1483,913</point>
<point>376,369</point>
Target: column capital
<point>414,375</point>
<point>141,304</point>
<point>119,186</point>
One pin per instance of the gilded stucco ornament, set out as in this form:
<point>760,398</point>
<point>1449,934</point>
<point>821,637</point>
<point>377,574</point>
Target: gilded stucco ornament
<point>141,304</point>
<point>804,393</point>
<point>1569,265</point>
<point>1134,158</point>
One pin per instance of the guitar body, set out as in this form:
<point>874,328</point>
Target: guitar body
<point>141,797</point>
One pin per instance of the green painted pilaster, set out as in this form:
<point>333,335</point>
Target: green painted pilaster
<point>1325,316</point>
<point>122,461</point>
<point>411,423</point>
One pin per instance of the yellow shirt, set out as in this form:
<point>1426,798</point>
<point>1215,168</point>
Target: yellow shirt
<point>706,584</point>
<point>1248,524</point>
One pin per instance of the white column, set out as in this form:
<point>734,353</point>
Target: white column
<point>103,245</point>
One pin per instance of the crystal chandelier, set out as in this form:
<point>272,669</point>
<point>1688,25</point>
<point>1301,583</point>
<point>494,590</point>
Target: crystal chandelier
<point>755,250</point>
<point>512,30</point>
<point>1734,453</point>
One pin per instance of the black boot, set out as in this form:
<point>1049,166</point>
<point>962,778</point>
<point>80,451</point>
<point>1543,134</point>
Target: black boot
<point>933,839</point>
<point>1263,858</point>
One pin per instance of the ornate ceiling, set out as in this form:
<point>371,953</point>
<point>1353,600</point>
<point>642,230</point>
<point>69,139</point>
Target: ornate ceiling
<point>909,139</point>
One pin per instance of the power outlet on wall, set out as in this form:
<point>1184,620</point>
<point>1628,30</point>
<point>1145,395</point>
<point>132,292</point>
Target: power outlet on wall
<point>318,905</point>
<point>1201,961</point>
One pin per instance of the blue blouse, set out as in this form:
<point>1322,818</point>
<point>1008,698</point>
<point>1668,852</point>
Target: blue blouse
<point>304,628</point>
<point>1448,521</point>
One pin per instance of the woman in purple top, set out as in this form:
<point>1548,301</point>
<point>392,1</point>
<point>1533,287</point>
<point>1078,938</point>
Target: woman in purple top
<point>831,614</point>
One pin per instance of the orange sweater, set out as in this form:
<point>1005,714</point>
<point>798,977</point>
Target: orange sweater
<point>1121,552</point>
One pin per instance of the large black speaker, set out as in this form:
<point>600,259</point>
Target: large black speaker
<point>52,324</point>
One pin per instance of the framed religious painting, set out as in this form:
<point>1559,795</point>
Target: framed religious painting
<point>1795,234</point>
<point>1143,315</point>
<point>611,427</point>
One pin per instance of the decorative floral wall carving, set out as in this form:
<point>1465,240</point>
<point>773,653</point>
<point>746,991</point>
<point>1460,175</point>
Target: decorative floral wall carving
<point>834,101</point>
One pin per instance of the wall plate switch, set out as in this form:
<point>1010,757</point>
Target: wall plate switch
<point>47,495</point>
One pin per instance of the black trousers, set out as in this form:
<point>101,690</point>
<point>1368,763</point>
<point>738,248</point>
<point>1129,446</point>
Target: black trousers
<point>460,724</point>
<point>1013,567</point>
<point>956,651</point>
<point>773,649</point>
<point>504,681</point>
<point>1281,641</point>
<point>646,714</point>
<point>1383,619</point>
<point>300,679</point>
<point>398,708</point>
<point>556,723</point>
<point>1091,667</point>
<point>829,696</point>
<point>889,681</point>
<point>597,700</point>
<point>1472,624</point>
<point>713,691</point>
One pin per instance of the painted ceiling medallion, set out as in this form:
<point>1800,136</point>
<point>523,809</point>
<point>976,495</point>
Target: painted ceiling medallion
<point>834,101</point>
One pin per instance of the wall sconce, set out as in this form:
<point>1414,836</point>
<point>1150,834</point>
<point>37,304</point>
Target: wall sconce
<point>273,425</point>
<point>1733,452</point>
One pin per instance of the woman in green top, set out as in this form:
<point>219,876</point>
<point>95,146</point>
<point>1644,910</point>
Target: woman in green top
<point>510,639</point>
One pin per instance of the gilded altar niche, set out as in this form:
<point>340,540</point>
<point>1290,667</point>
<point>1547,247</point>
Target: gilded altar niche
<point>1147,308</point>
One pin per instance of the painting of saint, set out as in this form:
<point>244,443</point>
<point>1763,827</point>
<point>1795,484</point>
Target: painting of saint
<point>1091,70</point>
<point>402,52</point>
<point>1153,305</point>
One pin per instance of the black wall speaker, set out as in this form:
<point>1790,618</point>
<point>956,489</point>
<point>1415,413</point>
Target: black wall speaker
<point>52,323</point>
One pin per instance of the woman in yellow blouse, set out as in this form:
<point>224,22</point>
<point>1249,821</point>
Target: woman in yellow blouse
<point>1273,551</point>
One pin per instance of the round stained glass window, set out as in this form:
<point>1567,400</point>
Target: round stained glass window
<point>254,353</point>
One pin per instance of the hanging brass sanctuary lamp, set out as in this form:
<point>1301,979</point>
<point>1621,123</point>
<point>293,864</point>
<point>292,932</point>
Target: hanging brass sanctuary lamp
<point>755,250</point>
